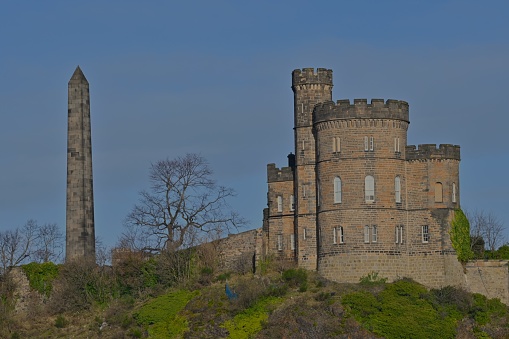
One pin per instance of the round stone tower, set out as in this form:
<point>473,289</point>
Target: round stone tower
<point>310,87</point>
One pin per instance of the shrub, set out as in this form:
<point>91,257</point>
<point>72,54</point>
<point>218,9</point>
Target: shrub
<point>400,311</point>
<point>296,277</point>
<point>60,322</point>
<point>372,279</point>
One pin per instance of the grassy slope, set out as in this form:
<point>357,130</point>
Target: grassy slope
<point>284,306</point>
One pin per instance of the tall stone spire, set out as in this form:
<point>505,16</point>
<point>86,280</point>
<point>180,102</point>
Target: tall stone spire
<point>80,233</point>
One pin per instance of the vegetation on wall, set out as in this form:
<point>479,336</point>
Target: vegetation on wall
<point>460,236</point>
<point>41,276</point>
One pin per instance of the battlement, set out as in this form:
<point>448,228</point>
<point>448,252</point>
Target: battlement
<point>310,76</point>
<point>430,151</point>
<point>276,174</point>
<point>377,109</point>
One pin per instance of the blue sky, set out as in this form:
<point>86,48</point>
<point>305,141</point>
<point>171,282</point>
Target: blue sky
<point>214,77</point>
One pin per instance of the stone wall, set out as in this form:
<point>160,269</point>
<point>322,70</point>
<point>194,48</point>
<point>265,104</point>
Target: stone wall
<point>489,277</point>
<point>240,250</point>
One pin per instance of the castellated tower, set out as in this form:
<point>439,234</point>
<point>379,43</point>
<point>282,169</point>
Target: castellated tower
<point>80,234</point>
<point>309,88</point>
<point>355,198</point>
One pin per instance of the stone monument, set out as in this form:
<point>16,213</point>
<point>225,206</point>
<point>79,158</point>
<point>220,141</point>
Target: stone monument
<point>80,233</point>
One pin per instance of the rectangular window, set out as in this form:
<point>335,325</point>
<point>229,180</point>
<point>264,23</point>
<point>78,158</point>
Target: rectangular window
<point>334,235</point>
<point>279,242</point>
<point>336,145</point>
<point>399,234</point>
<point>371,143</point>
<point>366,144</point>
<point>292,241</point>
<point>369,188</point>
<point>453,192</point>
<point>337,190</point>
<point>425,234</point>
<point>366,234</point>
<point>396,145</point>
<point>374,234</point>
<point>438,192</point>
<point>341,235</point>
<point>292,203</point>
<point>304,190</point>
<point>397,188</point>
<point>279,203</point>
<point>304,235</point>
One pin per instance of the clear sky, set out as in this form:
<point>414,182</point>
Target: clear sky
<point>214,77</point>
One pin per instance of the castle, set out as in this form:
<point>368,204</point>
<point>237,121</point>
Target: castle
<point>355,198</point>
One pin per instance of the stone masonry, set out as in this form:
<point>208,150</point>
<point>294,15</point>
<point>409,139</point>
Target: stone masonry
<point>355,198</point>
<point>80,233</point>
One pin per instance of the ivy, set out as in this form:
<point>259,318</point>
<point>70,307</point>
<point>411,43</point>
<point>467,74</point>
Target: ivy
<point>41,276</point>
<point>460,236</point>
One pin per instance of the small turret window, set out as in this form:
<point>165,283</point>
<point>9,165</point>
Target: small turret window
<point>425,234</point>
<point>279,203</point>
<point>399,234</point>
<point>369,188</point>
<point>336,145</point>
<point>369,143</point>
<point>337,190</point>
<point>453,192</point>
<point>396,145</point>
<point>438,192</point>
<point>397,189</point>
<point>338,235</point>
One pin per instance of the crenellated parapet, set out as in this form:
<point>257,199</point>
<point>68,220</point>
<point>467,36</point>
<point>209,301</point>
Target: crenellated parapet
<point>310,76</point>
<point>430,151</point>
<point>360,109</point>
<point>275,174</point>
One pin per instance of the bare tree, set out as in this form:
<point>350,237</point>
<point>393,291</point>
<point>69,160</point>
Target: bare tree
<point>484,226</point>
<point>184,202</point>
<point>49,244</point>
<point>16,245</point>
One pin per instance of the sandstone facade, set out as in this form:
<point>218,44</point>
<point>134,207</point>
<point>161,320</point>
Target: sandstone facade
<point>355,198</point>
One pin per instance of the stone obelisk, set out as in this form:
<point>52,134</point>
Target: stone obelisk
<point>80,233</point>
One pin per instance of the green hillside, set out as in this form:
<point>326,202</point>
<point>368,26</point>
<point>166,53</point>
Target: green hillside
<point>281,302</point>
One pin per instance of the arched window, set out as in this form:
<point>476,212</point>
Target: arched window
<point>369,188</point>
<point>279,203</point>
<point>397,189</point>
<point>438,192</point>
<point>337,190</point>
<point>453,192</point>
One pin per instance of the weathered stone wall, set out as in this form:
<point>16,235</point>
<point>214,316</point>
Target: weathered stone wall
<point>279,226</point>
<point>238,250</point>
<point>489,277</point>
